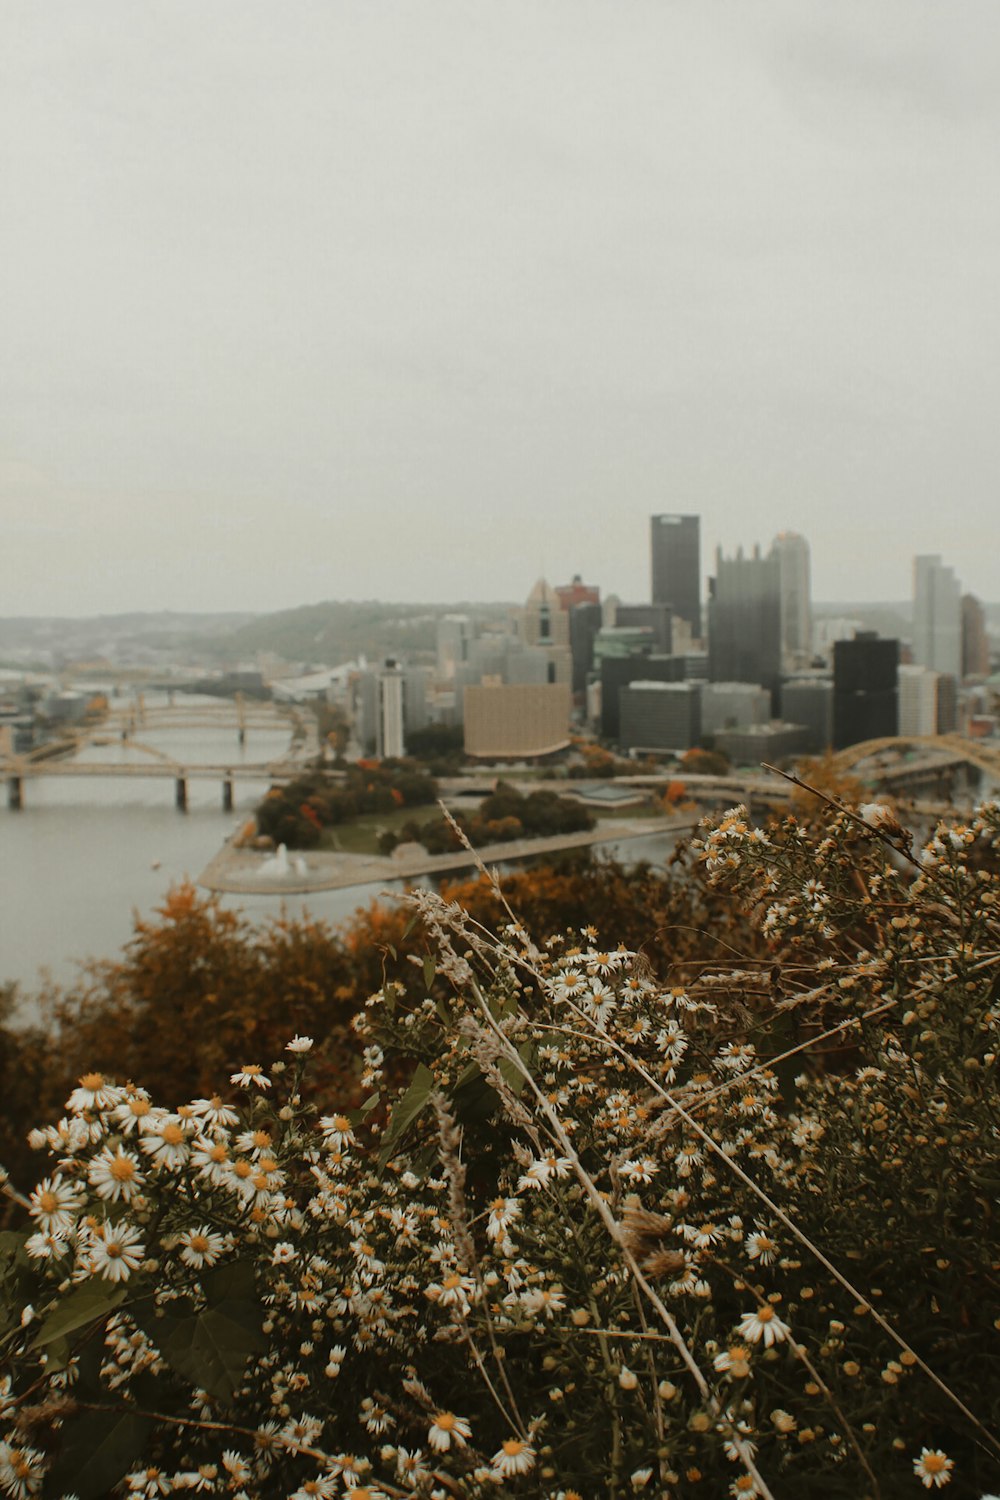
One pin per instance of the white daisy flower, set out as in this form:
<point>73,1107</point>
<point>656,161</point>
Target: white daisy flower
<point>446,1429</point>
<point>116,1250</point>
<point>763,1324</point>
<point>201,1246</point>
<point>115,1175</point>
<point>639,1170</point>
<point>94,1094</point>
<point>299,1044</point>
<point>251,1073</point>
<point>133,1111</point>
<point>337,1132</point>
<point>214,1112</point>
<point>933,1468</point>
<point>760,1246</point>
<point>55,1204</point>
<point>166,1142</point>
<point>503,1212</point>
<point>514,1456</point>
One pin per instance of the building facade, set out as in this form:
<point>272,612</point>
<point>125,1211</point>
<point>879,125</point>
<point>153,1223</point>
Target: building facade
<point>937,616</point>
<point>660,716</point>
<point>744,620</point>
<point>975,641</point>
<point>865,689</point>
<point>516,721</point>
<point>675,553</point>
<point>792,552</point>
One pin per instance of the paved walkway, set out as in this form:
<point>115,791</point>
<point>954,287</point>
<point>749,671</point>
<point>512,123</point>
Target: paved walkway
<point>236,871</point>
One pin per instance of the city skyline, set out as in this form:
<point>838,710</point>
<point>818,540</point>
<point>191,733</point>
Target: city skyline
<point>415,303</point>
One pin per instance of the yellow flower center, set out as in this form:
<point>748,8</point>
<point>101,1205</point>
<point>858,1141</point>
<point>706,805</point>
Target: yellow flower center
<point>198,1243</point>
<point>92,1081</point>
<point>445,1420</point>
<point>171,1134</point>
<point>48,1202</point>
<point>139,1107</point>
<point>765,1315</point>
<point>935,1462</point>
<point>122,1169</point>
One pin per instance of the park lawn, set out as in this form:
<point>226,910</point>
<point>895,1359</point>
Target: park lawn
<point>360,836</point>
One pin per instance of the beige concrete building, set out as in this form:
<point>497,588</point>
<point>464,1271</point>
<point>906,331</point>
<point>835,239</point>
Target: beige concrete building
<point>516,720</point>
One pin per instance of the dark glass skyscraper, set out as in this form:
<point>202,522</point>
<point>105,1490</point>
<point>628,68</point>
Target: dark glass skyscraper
<point>744,620</point>
<point>865,689</point>
<point>675,549</point>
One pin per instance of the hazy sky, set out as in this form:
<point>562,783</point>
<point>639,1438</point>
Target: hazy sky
<point>420,300</point>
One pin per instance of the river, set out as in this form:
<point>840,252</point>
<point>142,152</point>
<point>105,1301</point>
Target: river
<point>84,854</point>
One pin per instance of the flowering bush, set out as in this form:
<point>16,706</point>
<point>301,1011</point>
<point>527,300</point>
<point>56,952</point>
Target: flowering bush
<point>723,1232</point>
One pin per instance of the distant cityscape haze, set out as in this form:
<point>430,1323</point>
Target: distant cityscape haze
<point>421,302</point>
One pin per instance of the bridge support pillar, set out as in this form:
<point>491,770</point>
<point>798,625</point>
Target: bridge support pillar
<point>15,798</point>
<point>227,794</point>
<point>181,794</point>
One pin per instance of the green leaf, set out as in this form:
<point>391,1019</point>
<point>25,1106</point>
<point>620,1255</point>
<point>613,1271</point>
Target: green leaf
<point>407,1110</point>
<point>430,969</point>
<point>95,1449</point>
<point>235,1279</point>
<point>12,1251</point>
<point>81,1307</point>
<point>211,1348</point>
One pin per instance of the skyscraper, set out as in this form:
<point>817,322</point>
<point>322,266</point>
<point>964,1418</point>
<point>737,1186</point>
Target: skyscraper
<point>675,551</point>
<point>792,552</point>
<point>865,689</point>
<point>975,641</point>
<point>937,616</point>
<point>744,620</point>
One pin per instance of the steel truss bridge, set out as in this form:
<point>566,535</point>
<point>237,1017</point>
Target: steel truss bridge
<point>124,726</point>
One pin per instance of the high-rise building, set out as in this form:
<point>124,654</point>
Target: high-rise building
<point>657,618</point>
<point>807,699</point>
<point>391,700</point>
<point>792,552</point>
<point>733,705</point>
<point>585,621</point>
<point>937,616</point>
<point>577,592</point>
<point>975,641</point>
<point>455,633</point>
<point>660,715</point>
<point>918,701</point>
<point>543,621</point>
<point>744,620</point>
<point>865,689</point>
<point>675,550</point>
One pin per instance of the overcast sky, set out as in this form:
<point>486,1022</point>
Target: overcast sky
<point>420,300</point>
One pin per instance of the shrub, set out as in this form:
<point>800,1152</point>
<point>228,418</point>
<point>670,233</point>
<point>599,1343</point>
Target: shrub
<point>612,1234</point>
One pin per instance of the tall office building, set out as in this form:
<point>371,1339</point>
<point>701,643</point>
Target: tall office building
<point>792,552</point>
<point>918,701</point>
<point>865,689</point>
<point>744,620</point>
<point>675,550</point>
<point>937,616</point>
<point>975,641</point>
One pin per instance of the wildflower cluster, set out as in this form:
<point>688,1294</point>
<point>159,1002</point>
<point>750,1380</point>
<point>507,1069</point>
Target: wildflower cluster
<point>615,1232</point>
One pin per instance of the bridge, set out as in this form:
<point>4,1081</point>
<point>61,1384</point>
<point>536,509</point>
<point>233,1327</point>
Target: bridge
<point>909,762</point>
<point>121,726</point>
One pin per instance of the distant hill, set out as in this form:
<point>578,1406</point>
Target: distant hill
<point>321,634</point>
<point>338,631</point>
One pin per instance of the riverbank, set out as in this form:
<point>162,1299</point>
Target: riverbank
<point>237,871</point>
